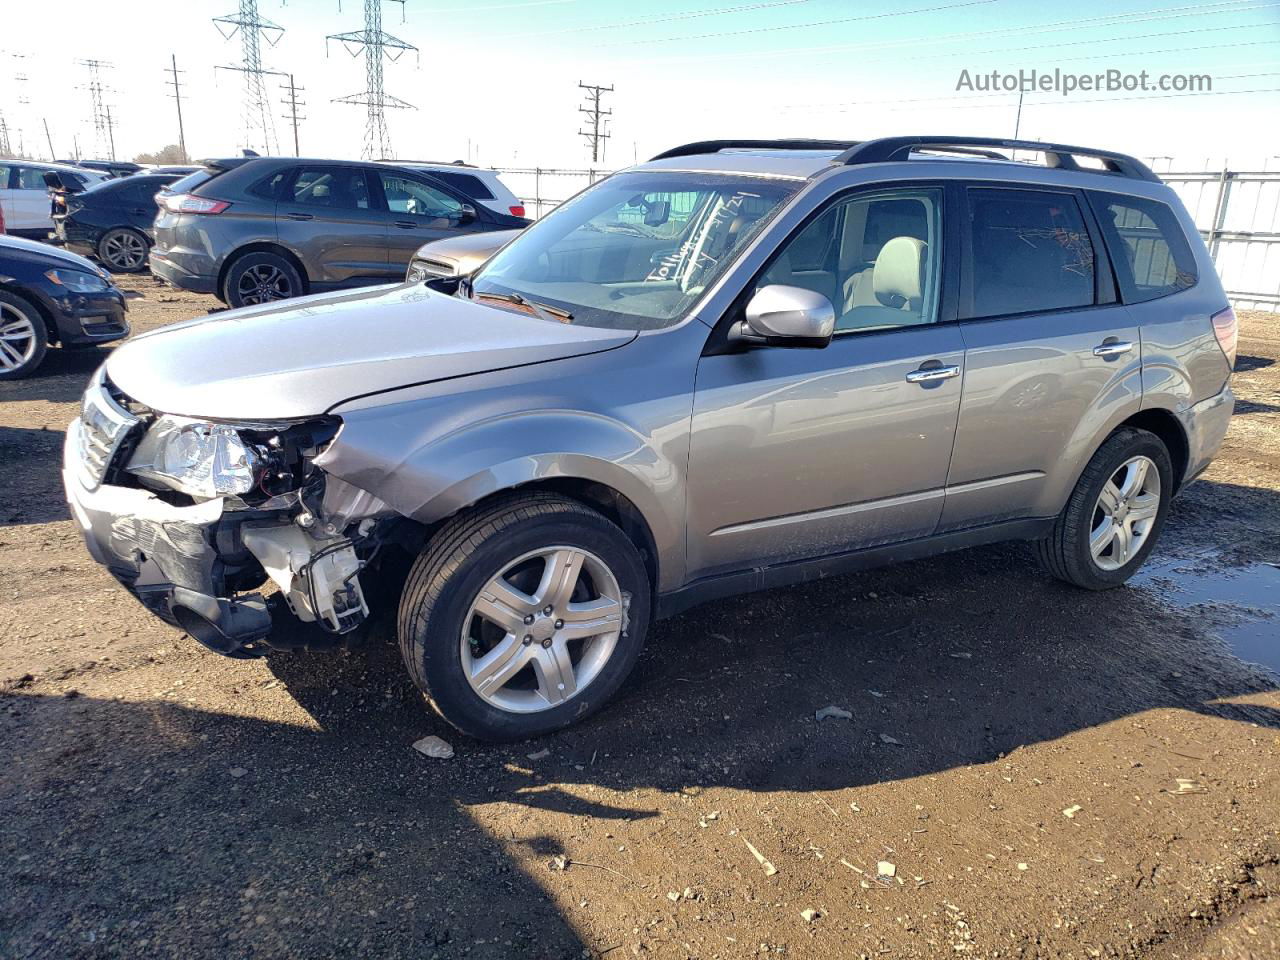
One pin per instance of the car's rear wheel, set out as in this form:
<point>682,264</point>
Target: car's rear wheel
<point>123,250</point>
<point>24,338</point>
<point>524,616</point>
<point>1113,517</point>
<point>260,277</point>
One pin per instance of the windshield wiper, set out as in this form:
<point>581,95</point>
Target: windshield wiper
<point>541,309</point>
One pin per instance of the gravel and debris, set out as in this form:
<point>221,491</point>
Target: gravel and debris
<point>125,831</point>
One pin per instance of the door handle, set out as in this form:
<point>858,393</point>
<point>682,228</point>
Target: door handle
<point>406,224</point>
<point>931,374</point>
<point>300,216</point>
<point>1112,348</point>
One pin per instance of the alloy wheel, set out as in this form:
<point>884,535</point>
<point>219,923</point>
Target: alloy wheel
<point>17,337</point>
<point>263,283</point>
<point>124,250</point>
<point>542,629</point>
<point>1125,513</point>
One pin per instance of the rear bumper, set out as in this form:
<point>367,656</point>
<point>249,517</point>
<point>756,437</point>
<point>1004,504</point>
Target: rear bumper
<point>1206,425</point>
<point>184,277</point>
<point>165,556</point>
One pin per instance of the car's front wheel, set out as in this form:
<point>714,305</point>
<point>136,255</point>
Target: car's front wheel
<point>260,277</point>
<point>24,338</point>
<point>524,616</point>
<point>1114,515</point>
<point>123,250</point>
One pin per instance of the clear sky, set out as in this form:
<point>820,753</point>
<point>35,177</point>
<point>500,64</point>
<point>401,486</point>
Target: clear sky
<point>496,80</point>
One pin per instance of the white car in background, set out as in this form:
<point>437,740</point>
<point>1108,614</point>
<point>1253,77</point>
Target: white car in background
<point>24,194</point>
<point>481,185</point>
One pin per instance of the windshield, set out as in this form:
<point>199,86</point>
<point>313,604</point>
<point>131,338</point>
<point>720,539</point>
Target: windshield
<point>633,252</point>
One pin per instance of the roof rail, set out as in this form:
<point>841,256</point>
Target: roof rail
<point>715,146</point>
<point>1056,155</point>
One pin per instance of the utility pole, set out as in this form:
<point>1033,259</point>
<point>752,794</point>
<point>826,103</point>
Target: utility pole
<point>1017,122</point>
<point>5,150</point>
<point>599,119</point>
<point>259,127</point>
<point>102,136</point>
<point>177,96</point>
<point>375,44</point>
<point>48,139</point>
<point>293,103</point>
<point>111,133</point>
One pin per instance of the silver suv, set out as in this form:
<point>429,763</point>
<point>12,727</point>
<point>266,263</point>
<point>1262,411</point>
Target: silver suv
<point>737,366</point>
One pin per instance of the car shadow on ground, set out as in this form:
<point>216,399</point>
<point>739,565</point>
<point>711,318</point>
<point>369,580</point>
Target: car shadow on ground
<point>30,476</point>
<point>217,832</point>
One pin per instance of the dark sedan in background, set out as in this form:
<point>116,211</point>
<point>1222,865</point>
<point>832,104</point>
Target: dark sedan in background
<point>49,296</point>
<point>113,220</point>
<point>274,228</point>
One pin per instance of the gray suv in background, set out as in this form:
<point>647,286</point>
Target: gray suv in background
<point>740,365</point>
<point>274,228</point>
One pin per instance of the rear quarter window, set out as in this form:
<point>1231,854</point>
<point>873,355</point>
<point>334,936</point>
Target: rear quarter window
<point>1150,251</point>
<point>464,183</point>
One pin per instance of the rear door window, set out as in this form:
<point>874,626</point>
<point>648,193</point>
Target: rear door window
<point>406,195</point>
<point>343,188</point>
<point>1030,252</point>
<point>1150,252</point>
<point>31,178</point>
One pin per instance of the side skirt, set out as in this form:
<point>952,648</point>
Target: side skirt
<point>834,565</point>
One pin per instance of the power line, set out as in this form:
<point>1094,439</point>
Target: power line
<point>673,17</point>
<point>259,126</point>
<point>1073,43</point>
<point>1108,20</point>
<point>376,45</point>
<point>177,96</point>
<point>951,105</point>
<point>597,135</point>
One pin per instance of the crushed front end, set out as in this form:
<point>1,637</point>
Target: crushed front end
<point>193,517</point>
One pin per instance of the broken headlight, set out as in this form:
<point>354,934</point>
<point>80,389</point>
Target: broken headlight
<point>198,458</point>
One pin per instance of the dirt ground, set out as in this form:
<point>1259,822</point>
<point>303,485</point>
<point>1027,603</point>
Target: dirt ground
<point>1029,771</point>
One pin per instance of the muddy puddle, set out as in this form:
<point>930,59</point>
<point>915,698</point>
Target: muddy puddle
<point>1241,604</point>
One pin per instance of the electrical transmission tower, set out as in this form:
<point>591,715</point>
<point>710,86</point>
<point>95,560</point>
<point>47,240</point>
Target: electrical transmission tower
<point>293,103</point>
<point>5,149</point>
<point>259,123</point>
<point>103,135</point>
<point>376,45</point>
<point>599,119</point>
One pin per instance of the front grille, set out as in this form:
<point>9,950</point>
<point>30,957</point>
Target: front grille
<point>104,425</point>
<point>434,268</point>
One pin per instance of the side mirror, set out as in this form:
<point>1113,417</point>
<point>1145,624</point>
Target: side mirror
<point>785,316</point>
<point>467,213</point>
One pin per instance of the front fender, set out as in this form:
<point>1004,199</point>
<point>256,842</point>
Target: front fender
<point>435,476</point>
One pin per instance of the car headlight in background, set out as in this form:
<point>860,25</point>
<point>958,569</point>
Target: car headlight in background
<point>197,458</point>
<point>78,281</point>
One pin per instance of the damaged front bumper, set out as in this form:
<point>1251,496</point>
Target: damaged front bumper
<point>190,565</point>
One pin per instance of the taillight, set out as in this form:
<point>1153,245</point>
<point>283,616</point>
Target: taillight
<point>1227,330</point>
<point>517,210</point>
<point>189,203</point>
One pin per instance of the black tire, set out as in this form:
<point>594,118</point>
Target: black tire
<point>461,558</point>
<point>15,311</point>
<point>260,277</point>
<point>123,250</point>
<point>1065,552</point>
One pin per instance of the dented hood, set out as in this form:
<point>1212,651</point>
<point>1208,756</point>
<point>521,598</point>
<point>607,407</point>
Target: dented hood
<point>302,357</point>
